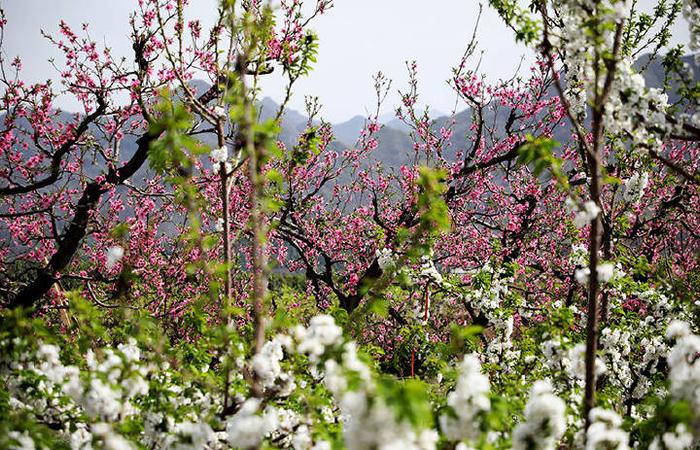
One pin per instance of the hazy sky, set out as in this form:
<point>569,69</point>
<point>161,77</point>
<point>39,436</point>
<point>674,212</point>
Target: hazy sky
<point>358,38</point>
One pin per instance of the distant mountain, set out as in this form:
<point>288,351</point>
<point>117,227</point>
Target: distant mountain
<point>395,145</point>
<point>386,117</point>
<point>460,124</point>
<point>390,120</point>
<point>349,131</point>
<point>398,124</point>
<point>292,123</point>
<point>394,149</point>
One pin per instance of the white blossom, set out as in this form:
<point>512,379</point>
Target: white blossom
<point>684,365</point>
<point>23,441</point>
<point>81,439</point>
<point>219,155</point>
<point>606,272</point>
<point>677,329</point>
<point>322,445</point>
<point>678,439</point>
<point>219,227</point>
<point>385,259</point>
<point>429,271</point>
<point>321,333</point>
<point>691,13</point>
<point>577,357</point>
<point>101,400</point>
<point>246,429</point>
<point>582,275</point>
<point>110,439</point>
<point>302,440</point>
<point>587,214</point>
<point>604,432</point>
<point>114,255</point>
<point>469,401</point>
<point>266,363</point>
<point>545,420</point>
<point>190,436</point>
<point>219,111</point>
<point>635,186</point>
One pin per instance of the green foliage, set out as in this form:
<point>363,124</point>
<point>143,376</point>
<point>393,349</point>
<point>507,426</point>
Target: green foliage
<point>173,150</point>
<point>302,65</point>
<point>654,27</point>
<point>539,152</point>
<point>669,413</point>
<point>307,144</point>
<point>433,214</point>
<point>465,339</point>
<point>409,399</point>
<point>520,20</point>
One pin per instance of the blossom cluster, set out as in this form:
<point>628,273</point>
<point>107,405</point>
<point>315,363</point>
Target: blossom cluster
<point>112,385</point>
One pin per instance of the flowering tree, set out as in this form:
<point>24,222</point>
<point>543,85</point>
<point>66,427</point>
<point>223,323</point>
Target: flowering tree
<point>526,266</point>
<point>70,180</point>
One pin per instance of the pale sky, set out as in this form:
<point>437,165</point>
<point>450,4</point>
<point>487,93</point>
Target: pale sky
<point>357,39</point>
